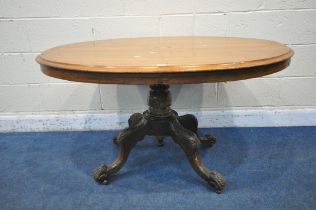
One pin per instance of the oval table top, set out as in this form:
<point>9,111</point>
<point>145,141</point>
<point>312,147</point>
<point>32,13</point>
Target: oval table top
<point>165,60</point>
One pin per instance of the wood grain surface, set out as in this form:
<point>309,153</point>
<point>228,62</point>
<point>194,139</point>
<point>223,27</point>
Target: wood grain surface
<point>154,60</point>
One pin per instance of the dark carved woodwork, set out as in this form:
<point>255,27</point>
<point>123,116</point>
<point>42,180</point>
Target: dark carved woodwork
<point>160,120</point>
<point>126,139</point>
<point>190,122</point>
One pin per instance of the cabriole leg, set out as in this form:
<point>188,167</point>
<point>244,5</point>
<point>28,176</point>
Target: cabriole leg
<point>190,122</point>
<point>126,140</point>
<point>189,142</point>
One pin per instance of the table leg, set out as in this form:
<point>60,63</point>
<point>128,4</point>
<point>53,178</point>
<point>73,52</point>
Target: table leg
<point>127,139</point>
<point>190,122</point>
<point>189,142</point>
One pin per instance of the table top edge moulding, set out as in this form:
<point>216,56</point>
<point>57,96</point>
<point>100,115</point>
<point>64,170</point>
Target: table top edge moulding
<point>165,60</point>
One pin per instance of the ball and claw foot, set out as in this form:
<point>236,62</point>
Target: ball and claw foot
<point>100,175</point>
<point>217,182</point>
<point>208,140</point>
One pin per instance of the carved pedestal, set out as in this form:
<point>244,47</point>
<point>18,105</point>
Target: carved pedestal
<point>160,120</point>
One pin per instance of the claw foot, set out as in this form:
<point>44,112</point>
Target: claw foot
<point>208,140</point>
<point>217,181</point>
<point>101,175</point>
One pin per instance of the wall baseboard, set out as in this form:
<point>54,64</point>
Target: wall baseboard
<point>100,121</point>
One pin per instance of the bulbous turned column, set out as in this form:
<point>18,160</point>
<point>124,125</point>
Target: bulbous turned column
<point>159,100</point>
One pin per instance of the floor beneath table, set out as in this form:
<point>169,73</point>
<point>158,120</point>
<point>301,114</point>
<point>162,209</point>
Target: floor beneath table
<point>265,168</point>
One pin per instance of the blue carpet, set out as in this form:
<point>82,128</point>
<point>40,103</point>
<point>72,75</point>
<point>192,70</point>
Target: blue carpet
<point>265,168</point>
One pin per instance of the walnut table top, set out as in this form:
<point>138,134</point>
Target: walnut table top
<point>165,60</point>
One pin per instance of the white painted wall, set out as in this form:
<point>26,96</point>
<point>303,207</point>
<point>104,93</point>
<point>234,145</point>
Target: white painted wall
<point>27,27</point>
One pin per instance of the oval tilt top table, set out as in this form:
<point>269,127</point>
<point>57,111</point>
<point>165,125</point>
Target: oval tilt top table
<point>158,62</point>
